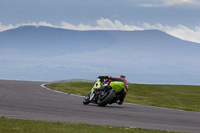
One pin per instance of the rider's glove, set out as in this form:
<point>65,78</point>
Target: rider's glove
<point>95,91</point>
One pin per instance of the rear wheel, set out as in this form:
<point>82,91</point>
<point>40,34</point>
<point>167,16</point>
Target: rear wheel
<point>107,99</point>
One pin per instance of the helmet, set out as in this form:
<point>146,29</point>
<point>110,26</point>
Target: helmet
<point>122,76</point>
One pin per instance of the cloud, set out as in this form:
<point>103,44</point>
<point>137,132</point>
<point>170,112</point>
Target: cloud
<point>6,27</point>
<point>185,33</point>
<point>158,3</point>
<point>178,2</point>
<point>10,26</point>
<point>102,24</point>
<point>179,31</point>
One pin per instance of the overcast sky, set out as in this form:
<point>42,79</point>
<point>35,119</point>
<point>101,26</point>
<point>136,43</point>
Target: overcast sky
<point>180,18</point>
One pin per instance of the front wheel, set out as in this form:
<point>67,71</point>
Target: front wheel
<point>86,100</point>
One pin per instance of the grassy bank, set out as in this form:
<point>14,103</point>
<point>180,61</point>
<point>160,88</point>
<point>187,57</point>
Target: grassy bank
<point>27,126</point>
<point>169,96</point>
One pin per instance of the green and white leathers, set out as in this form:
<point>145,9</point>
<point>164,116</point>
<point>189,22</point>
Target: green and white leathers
<point>117,86</point>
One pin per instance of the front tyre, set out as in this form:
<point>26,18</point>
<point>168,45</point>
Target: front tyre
<point>108,99</point>
<point>86,100</point>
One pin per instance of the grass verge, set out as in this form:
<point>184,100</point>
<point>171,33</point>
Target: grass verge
<point>181,97</point>
<point>28,126</point>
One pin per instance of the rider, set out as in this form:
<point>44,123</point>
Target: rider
<point>108,79</point>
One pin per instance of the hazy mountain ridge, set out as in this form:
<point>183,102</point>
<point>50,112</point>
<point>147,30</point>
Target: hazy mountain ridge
<point>144,56</point>
<point>47,41</point>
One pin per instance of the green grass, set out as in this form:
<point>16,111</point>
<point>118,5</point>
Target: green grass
<point>27,126</point>
<point>169,96</point>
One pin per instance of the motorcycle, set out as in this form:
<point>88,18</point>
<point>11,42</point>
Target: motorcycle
<point>108,96</point>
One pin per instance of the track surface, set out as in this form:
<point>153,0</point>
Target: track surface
<point>28,100</point>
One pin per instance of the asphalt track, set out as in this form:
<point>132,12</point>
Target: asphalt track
<point>28,100</point>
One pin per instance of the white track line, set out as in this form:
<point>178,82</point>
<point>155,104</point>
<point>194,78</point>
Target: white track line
<point>43,86</point>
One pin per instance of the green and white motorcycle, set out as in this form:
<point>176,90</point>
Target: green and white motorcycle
<point>108,96</point>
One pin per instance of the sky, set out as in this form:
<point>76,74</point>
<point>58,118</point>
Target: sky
<point>179,18</point>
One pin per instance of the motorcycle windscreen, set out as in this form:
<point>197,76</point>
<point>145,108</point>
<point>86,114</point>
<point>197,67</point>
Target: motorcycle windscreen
<point>96,85</point>
<point>117,86</point>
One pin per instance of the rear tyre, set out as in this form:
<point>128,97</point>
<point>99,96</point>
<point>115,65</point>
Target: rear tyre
<point>108,99</point>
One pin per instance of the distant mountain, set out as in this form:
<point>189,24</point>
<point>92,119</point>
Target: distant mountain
<point>47,41</point>
<point>49,54</point>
